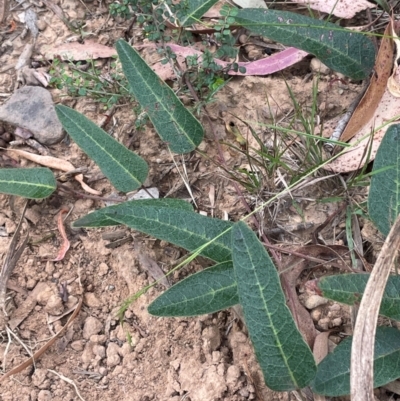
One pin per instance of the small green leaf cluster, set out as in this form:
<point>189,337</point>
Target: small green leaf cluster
<point>84,79</point>
<point>151,14</point>
<point>224,35</point>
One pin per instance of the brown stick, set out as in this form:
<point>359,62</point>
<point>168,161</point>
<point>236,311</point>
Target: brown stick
<point>10,261</point>
<point>362,350</point>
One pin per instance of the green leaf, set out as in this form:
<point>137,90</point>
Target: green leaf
<point>384,193</point>
<point>173,122</point>
<point>32,183</point>
<point>285,359</point>
<point>99,218</point>
<point>126,170</point>
<point>196,9</point>
<point>333,374</point>
<point>344,51</point>
<point>184,228</point>
<point>349,288</point>
<point>207,291</point>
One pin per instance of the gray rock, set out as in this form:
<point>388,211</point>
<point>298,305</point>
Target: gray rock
<point>32,108</point>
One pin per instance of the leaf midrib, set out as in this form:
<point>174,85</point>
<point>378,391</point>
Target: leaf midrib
<point>26,183</point>
<point>162,224</point>
<point>214,292</point>
<point>279,28</point>
<point>279,344</point>
<point>190,15</point>
<point>104,150</point>
<point>160,101</point>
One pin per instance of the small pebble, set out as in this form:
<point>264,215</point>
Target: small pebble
<point>319,67</point>
<point>91,326</point>
<point>77,345</point>
<point>314,300</point>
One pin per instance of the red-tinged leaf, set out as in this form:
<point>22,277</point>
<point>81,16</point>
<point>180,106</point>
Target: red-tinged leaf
<point>65,244</point>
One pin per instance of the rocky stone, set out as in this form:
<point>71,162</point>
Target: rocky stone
<point>318,66</point>
<point>232,375</point>
<point>113,358</point>
<point>92,326</point>
<point>77,345</point>
<point>31,283</point>
<point>44,395</point>
<point>99,350</point>
<point>88,354</point>
<point>98,339</point>
<point>211,338</point>
<point>314,300</point>
<point>39,379</point>
<point>44,294</point>
<point>32,108</point>
<point>125,349</point>
<point>54,305</point>
<point>91,300</point>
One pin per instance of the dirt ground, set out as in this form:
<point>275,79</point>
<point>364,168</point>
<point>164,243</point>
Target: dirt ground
<point>207,358</point>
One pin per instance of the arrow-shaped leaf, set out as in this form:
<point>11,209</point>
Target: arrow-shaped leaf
<point>33,183</point>
<point>349,288</point>
<point>195,10</point>
<point>285,359</point>
<point>384,193</point>
<point>207,291</point>
<point>173,122</point>
<point>344,51</point>
<point>184,228</point>
<point>99,218</point>
<point>333,374</point>
<point>126,170</point>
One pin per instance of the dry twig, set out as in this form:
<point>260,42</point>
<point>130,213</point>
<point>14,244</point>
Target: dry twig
<point>362,350</point>
<point>10,261</point>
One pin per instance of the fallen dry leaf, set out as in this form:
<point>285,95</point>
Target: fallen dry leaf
<point>77,51</point>
<point>265,66</point>
<point>65,244</point>
<point>377,87</point>
<point>342,9</point>
<point>31,76</point>
<point>151,266</point>
<point>53,162</point>
<point>289,276</point>
<point>366,140</point>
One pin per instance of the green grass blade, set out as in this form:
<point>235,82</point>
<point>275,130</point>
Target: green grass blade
<point>99,218</point>
<point>208,291</point>
<point>126,170</point>
<point>285,359</point>
<point>344,51</point>
<point>384,193</point>
<point>32,183</point>
<point>196,9</point>
<point>333,374</point>
<point>173,122</point>
<point>349,288</point>
<point>184,228</point>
